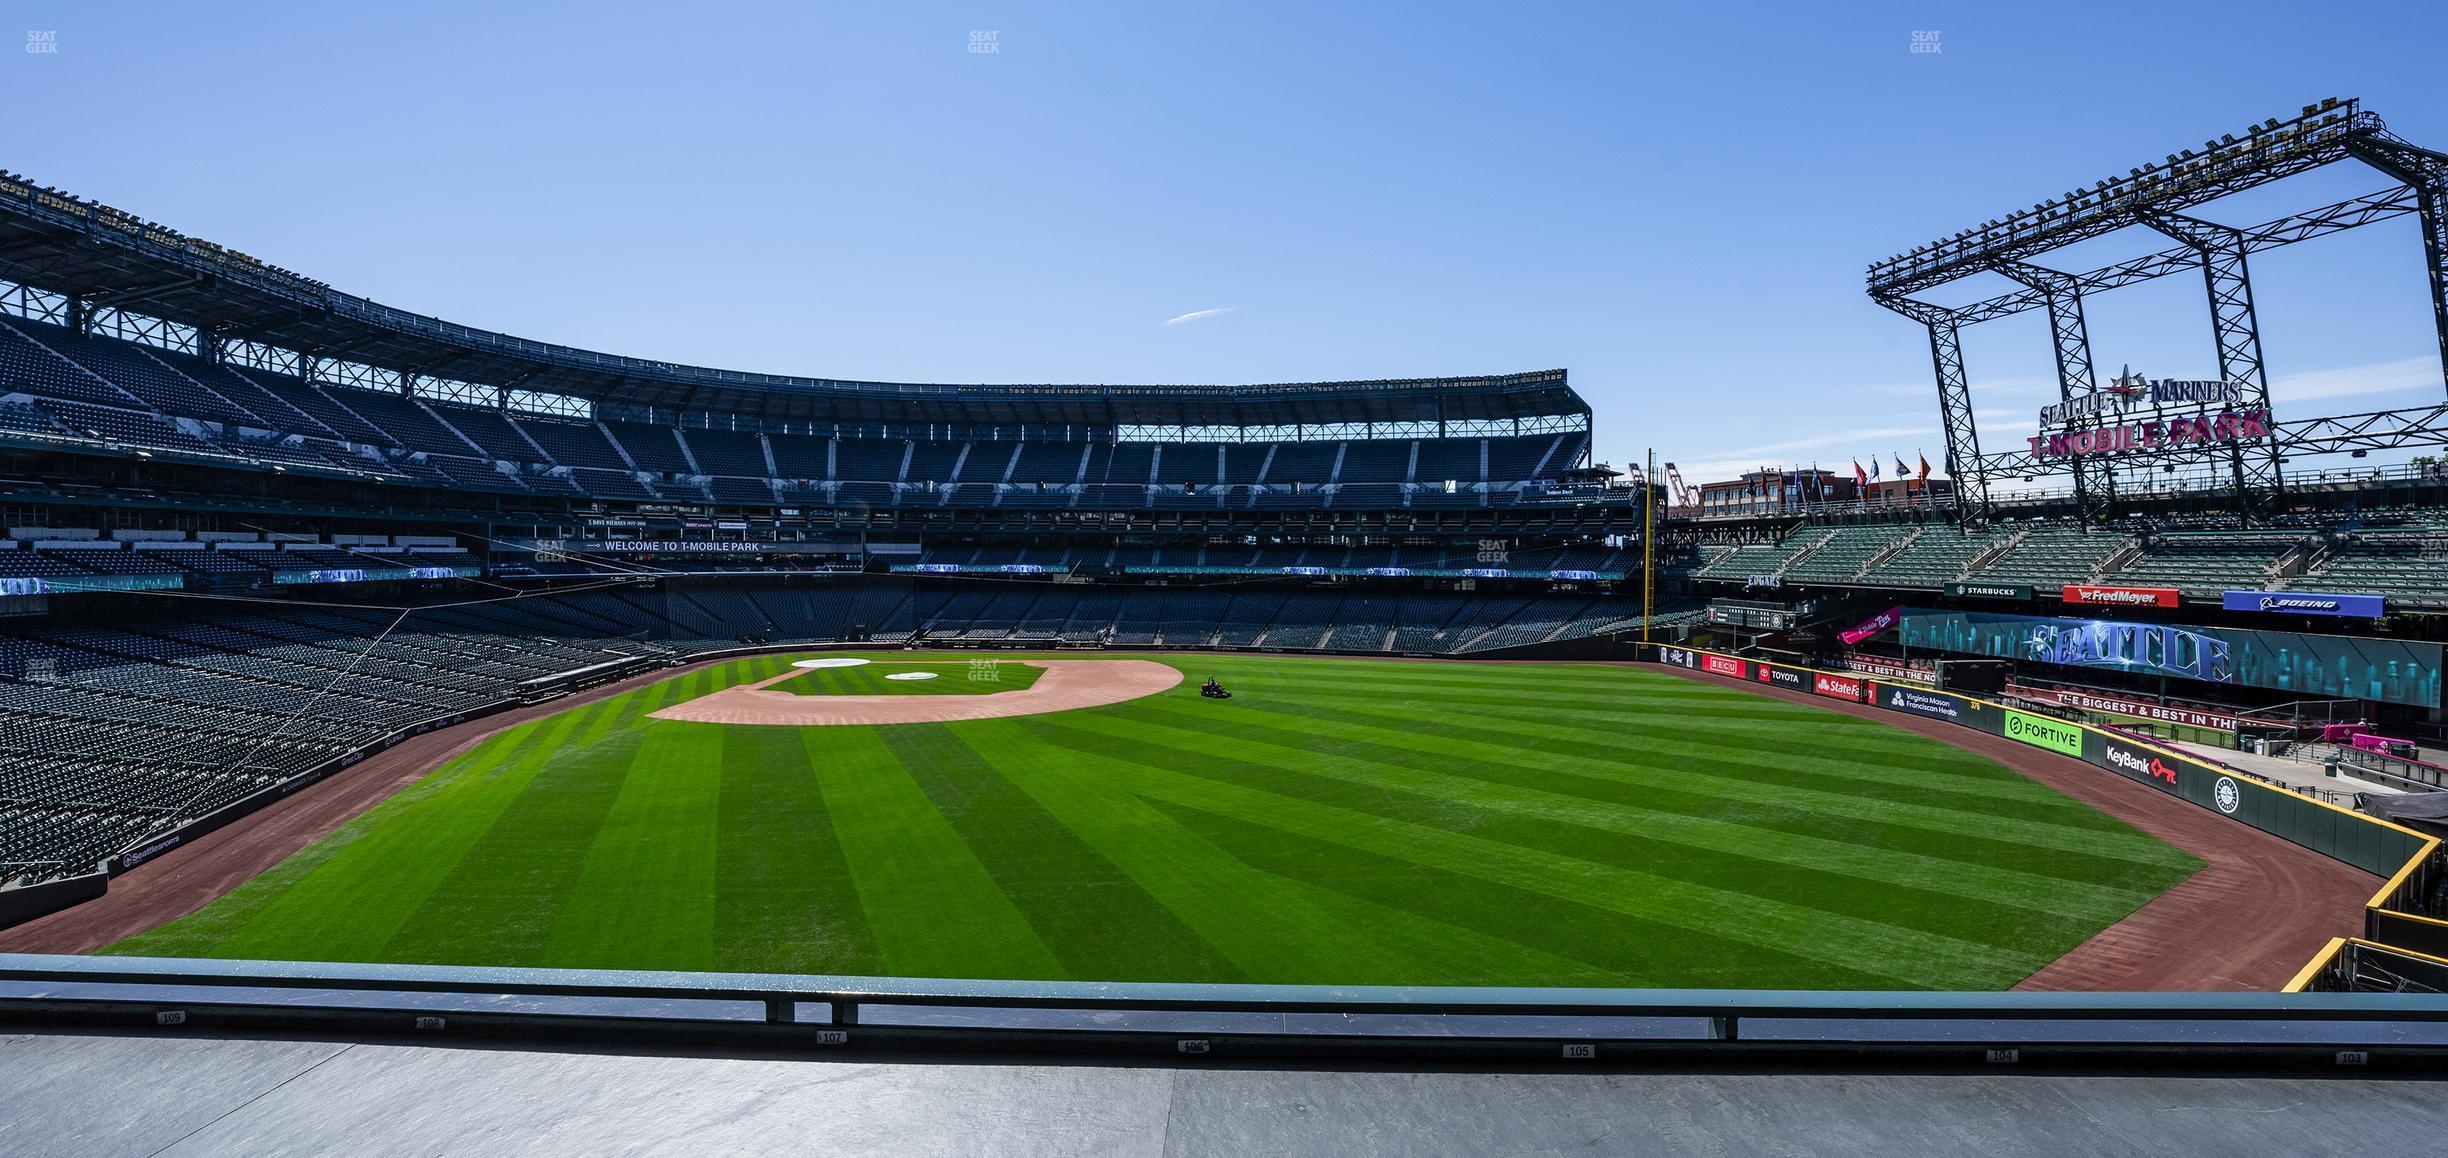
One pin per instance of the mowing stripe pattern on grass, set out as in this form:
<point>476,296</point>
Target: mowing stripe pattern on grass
<point>1337,821</point>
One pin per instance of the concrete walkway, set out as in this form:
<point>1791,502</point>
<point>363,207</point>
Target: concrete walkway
<point>181,1097</point>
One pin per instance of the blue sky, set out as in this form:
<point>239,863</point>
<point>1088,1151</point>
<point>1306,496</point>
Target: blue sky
<point>1675,204</point>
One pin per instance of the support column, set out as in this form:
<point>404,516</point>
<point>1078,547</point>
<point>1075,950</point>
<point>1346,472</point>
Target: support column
<point>2094,479</point>
<point>2427,172</point>
<point>1963,457</point>
<point>2259,485</point>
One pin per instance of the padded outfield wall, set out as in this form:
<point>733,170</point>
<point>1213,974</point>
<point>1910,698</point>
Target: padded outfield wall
<point>2400,914</point>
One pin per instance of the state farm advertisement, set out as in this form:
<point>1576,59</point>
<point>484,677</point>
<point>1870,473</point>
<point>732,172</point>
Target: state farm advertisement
<point>2091,595</point>
<point>1837,687</point>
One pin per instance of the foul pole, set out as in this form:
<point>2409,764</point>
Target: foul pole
<point>1648,545</point>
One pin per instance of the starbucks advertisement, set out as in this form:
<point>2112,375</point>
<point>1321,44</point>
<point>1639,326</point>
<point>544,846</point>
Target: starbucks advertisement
<point>2313,666</point>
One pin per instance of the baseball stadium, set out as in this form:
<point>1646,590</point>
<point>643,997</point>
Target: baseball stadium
<point>366,672</point>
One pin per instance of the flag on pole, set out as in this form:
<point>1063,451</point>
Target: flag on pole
<point>1924,465</point>
<point>1874,468</point>
<point>1860,479</point>
<point>1901,469</point>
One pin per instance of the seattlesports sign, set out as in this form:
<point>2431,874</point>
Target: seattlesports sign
<point>2233,423</point>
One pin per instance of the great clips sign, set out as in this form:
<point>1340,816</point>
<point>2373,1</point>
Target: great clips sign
<point>2090,595</point>
<point>2305,603</point>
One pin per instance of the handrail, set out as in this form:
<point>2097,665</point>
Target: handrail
<point>1236,996</point>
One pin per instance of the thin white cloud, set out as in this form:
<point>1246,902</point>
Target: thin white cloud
<point>1832,451</point>
<point>1984,388</point>
<point>2355,381</point>
<point>1200,315</point>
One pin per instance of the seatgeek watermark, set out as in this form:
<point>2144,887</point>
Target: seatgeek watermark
<point>43,42</point>
<point>1926,43</point>
<point>985,43</point>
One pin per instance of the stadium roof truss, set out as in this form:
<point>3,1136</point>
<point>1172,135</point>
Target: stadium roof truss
<point>2156,197</point>
<point>74,261</point>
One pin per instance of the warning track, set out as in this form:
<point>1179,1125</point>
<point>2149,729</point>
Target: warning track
<point>2258,910</point>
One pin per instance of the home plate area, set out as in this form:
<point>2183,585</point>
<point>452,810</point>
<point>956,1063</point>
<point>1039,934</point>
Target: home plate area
<point>1061,685</point>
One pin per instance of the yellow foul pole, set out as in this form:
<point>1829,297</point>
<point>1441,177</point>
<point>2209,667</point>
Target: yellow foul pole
<point>1648,544</point>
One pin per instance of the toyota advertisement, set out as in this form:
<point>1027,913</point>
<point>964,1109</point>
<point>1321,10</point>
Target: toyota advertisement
<point>1782,677</point>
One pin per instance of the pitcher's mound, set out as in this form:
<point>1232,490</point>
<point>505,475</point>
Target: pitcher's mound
<point>1066,684</point>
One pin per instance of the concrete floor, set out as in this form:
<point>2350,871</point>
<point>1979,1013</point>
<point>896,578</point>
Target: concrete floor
<point>2290,772</point>
<point>101,1095</point>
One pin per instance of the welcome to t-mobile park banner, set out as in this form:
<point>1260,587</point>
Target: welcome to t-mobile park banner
<point>1872,626</point>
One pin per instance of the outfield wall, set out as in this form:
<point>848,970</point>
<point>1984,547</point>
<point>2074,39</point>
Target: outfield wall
<point>2411,861</point>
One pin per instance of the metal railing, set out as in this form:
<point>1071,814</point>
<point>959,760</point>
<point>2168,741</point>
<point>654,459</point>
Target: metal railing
<point>1191,1019</point>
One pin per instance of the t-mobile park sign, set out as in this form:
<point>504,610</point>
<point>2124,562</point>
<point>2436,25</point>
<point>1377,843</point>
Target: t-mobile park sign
<point>2233,423</point>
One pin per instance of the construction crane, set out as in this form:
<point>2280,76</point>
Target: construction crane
<point>1683,495</point>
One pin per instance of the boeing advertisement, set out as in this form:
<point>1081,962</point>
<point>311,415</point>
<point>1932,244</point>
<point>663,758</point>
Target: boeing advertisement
<point>2313,666</point>
<point>2306,603</point>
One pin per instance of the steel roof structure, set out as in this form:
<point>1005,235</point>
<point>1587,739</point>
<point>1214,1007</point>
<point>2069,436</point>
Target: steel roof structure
<point>2164,198</point>
<point>98,257</point>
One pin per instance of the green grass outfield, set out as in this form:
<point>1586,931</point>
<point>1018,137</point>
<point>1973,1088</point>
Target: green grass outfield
<point>1349,821</point>
<point>952,678</point>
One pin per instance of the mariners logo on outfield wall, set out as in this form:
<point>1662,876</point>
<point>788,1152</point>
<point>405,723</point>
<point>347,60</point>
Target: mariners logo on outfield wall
<point>2226,795</point>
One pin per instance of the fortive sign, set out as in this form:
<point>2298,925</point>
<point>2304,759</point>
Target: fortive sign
<point>2305,603</point>
<point>2091,596</point>
<point>2044,732</point>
